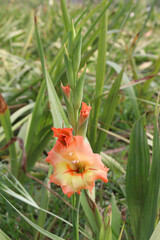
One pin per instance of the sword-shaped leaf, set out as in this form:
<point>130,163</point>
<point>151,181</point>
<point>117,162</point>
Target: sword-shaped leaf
<point>137,174</point>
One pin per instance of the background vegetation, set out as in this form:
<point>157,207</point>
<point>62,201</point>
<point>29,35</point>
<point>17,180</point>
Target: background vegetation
<point>132,40</point>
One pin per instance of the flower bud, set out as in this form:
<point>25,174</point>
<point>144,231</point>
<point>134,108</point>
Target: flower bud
<point>66,91</point>
<point>69,69</point>
<point>78,91</point>
<point>70,110</point>
<point>84,113</point>
<point>107,223</point>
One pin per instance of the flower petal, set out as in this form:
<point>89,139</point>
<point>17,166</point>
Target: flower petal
<point>76,167</point>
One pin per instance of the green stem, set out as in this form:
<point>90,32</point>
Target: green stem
<point>6,124</point>
<point>76,121</point>
<point>75,200</point>
<point>133,66</point>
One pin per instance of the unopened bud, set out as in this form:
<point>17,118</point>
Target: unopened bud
<point>69,69</point>
<point>78,91</point>
<point>84,114</point>
<point>66,91</point>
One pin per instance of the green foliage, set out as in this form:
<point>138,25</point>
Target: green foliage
<point>109,110</point>
<point>137,174</point>
<point>142,188</point>
<point>30,85</point>
<point>100,77</point>
<point>3,236</point>
<point>6,123</point>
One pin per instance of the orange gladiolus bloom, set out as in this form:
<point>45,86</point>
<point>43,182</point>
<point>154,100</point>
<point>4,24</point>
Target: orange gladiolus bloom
<point>76,167</point>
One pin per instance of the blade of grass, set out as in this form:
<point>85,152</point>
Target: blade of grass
<point>16,126</point>
<point>3,236</point>
<point>36,116</point>
<point>65,15</point>
<point>147,84</point>
<point>121,233</point>
<point>44,204</point>
<point>25,197</point>
<point>116,219</point>
<point>129,90</point>
<point>37,149</point>
<point>6,123</point>
<point>35,226</point>
<point>29,35</point>
<point>96,9</point>
<point>145,22</point>
<point>56,108</point>
<point>109,110</point>
<point>92,213</point>
<point>104,9</point>
<point>100,76</point>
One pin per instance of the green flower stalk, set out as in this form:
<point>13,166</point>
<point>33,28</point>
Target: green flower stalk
<point>6,123</point>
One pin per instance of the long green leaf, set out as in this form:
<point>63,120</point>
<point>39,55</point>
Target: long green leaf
<point>65,15</point>
<point>19,113</point>
<point>3,236</point>
<point>6,123</point>
<point>36,116</point>
<point>116,219</point>
<point>26,198</point>
<point>92,213</point>
<point>100,76</point>
<point>137,174</point>
<point>38,148</point>
<point>56,108</point>
<point>35,226</point>
<point>109,110</point>
<point>44,204</point>
<point>129,91</point>
<point>104,9</point>
<point>150,209</point>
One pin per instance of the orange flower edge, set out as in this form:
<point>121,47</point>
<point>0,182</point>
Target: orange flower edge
<point>64,135</point>
<point>76,167</point>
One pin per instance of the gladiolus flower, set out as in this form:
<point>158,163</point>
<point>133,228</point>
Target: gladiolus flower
<point>84,114</point>
<point>76,167</point>
<point>66,91</point>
